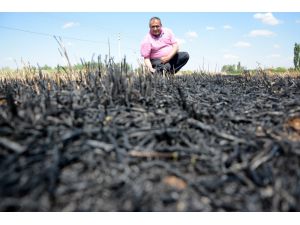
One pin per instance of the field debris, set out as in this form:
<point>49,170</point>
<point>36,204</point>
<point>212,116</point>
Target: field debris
<point>113,141</point>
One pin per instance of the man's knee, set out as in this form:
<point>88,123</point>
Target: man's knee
<point>185,56</point>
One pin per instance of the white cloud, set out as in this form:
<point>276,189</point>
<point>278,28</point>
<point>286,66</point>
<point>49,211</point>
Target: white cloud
<point>264,33</point>
<point>180,41</point>
<point>267,18</point>
<point>191,34</point>
<point>242,44</point>
<point>227,27</point>
<point>210,28</point>
<point>276,46</point>
<point>230,56</point>
<point>70,24</point>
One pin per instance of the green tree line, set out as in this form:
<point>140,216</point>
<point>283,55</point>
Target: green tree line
<point>297,56</point>
<point>233,69</point>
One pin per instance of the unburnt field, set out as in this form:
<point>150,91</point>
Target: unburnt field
<point>112,141</point>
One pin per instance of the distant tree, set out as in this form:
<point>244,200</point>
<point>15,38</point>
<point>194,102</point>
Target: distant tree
<point>233,69</point>
<point>228,68</point>
<point>6,68</point>
<point>46,67</point>
<point>297,56</point>
<point>87,65</point>
<point>279,70</point>
<point>238,68</point>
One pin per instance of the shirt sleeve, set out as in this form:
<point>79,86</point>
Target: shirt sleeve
<point>146,49</point>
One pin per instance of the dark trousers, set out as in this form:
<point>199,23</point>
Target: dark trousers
<point>174,65</point>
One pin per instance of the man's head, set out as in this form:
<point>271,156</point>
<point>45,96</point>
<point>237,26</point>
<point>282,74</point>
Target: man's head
<point>155,26</point>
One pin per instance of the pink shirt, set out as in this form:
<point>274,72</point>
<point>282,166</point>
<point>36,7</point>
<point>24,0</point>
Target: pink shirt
<point>155,47</point>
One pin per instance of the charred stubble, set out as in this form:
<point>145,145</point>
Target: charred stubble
<point>104,142</point>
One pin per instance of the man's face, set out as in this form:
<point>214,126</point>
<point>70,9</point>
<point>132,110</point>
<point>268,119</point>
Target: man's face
<point>155,27</point>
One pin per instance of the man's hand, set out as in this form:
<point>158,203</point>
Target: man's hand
<point>149,65</point>
<point>165,59</point>
<point>152,70</point>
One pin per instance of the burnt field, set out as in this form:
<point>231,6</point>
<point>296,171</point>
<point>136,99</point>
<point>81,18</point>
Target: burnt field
<point>109,142</point>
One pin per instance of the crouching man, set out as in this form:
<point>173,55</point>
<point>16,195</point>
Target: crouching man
<point>160,49</point>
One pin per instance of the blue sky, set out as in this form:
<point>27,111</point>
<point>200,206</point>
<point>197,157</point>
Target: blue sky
<point>212,39</point>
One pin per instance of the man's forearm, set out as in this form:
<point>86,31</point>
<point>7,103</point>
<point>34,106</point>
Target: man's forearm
<point>174,51</point>
<point>167,58</point>
<point>149,64</point>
